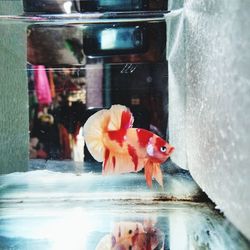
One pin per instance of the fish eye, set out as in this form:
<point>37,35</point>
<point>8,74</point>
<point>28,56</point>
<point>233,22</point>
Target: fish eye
<point>163,149</point>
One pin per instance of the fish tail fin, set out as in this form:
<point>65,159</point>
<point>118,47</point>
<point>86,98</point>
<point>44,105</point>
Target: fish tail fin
<point>116,118</point>
<point>153,170</point>
<point>93,131</point>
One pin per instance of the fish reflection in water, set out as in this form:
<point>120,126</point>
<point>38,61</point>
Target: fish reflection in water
<point>133,236</point>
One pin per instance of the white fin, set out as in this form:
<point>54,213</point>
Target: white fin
<point>98,124</point>
<point>93,133</point>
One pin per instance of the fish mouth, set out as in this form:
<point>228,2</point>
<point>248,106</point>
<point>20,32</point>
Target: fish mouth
<point>170,151</point>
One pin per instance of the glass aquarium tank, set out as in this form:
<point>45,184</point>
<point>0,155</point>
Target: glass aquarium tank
<point>64,62</point>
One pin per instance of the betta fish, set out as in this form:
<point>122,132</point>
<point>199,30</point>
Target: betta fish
<point>110,139</point>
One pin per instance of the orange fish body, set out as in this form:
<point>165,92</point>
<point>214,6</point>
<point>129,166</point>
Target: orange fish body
<point>111,139</point>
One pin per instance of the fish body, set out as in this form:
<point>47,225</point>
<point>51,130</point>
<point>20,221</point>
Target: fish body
<point>111,139</point>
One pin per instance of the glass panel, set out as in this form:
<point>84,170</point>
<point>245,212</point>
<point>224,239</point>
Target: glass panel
<point>58,210</point>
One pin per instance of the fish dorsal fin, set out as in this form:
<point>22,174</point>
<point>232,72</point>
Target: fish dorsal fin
<point>120,118</point>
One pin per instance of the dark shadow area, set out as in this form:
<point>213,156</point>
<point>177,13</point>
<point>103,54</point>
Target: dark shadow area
<point>88,6</point>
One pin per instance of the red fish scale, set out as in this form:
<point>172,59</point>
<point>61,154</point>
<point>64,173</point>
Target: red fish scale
<point>143,137</point>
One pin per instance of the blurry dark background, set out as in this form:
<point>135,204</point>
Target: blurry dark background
<point>74,6</point>
<point>70,79</point>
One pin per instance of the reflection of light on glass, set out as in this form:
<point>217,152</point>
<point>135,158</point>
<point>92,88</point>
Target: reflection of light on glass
<point>112,2</point>
<point>67,7</point>
<point>108,38</point>
<point>71,232</point>
<point>120,38</point>
<point>120,4</point>
<point>178,235</point>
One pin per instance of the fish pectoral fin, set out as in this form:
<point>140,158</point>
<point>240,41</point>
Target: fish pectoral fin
<point>148,171</point>
<point>157,173</point>
<point>153,170</point>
